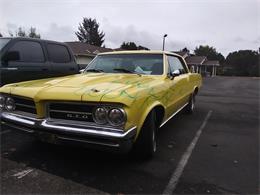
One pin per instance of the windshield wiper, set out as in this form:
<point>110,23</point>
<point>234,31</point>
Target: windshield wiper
<point>94,70</point>
<point>123,70</point>
<point>126,71</point>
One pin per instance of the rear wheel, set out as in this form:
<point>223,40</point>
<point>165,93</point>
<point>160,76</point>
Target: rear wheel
<point>146,143</point>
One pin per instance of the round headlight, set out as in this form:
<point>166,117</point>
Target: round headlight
<point>2,102</point>
<point>10,104</point>
<point>116,116</point>
<point>100,115</point>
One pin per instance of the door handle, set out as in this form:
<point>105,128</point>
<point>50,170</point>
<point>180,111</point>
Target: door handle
<point>45,69</point>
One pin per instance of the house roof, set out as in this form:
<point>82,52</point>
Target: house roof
<point>80,48</point>
<point>211,63</point>
<point>183,54</point>
<point>195,60</point>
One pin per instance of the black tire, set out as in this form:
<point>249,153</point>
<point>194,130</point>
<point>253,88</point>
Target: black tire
<point>191,105</point>
<point>146,143</point>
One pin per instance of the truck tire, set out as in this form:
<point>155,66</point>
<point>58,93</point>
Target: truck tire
<point>191,105</point>
<point>146,143</point>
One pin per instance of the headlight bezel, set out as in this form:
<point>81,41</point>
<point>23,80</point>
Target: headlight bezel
<point>95,117</point>
<point>2,105</point>
<point>11,102</point>
<point>123,120</point>
<point>6,99</point>
<point>108,109</point>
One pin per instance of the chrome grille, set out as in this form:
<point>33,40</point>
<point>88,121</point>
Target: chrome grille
<point>71,111</point>
<point>24,105</point>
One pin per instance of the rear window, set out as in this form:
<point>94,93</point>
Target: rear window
<point>58,53</point>
<point>29,51</point>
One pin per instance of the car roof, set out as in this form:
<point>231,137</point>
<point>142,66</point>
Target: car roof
<point>32,39</point>
<point>140,52</point>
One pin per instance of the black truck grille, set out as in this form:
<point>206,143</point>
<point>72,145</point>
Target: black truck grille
<point>24,105</point>
<point>71,111</point>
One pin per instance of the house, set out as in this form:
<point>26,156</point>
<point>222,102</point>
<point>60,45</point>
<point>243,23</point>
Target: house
<point>196,62</point>
<point>211,66</point>
<point>85,52</point>
<point>200,64</point>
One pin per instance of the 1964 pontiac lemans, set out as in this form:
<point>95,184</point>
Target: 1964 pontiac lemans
<point>118,102</point>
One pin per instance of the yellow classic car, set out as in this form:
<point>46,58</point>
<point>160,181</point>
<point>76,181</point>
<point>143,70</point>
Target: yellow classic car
<point>118,102</point>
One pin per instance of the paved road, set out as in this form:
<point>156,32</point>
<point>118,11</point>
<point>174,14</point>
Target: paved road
<point>224,159</point>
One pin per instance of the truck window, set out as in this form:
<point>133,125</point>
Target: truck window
<point>29,51</point>
<point>3,42</point>
<point>58,53</point>
<point>176,64</point>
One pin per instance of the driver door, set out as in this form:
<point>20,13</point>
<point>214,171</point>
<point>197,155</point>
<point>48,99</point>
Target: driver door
<point>177,85</point>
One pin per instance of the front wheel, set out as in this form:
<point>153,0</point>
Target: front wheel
<point>146,143</point>
<point>191,105</point>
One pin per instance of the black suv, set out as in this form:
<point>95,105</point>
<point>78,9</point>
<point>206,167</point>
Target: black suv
<point>25,59</point>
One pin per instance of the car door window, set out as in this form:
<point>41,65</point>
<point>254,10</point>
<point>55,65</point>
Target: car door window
<point>176,64</point>
<point>58,53</point>
<point>29,51</point>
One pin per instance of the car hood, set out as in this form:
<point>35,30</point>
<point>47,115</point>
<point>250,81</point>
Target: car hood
<point>122,88</point>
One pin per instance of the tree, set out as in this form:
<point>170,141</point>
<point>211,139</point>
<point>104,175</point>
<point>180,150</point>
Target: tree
<point>185,50</point>
<point>21,32</point>
<point>209,52</point>
<point>132,46</point>
<point>88,32</point>
<point>128,46</point>
<point>10,33</point>
<point>33,34</point>
<point>140,47</point>
<point>244,62</point>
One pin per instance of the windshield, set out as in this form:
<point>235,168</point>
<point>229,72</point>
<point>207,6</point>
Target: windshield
<point>3,42</point>
<point>147,64</point>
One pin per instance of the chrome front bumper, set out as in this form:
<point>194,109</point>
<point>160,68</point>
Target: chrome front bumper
<point>60,131</point>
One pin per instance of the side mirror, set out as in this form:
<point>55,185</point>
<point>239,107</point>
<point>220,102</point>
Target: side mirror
<point>11,56</point>
<point>175,73</point>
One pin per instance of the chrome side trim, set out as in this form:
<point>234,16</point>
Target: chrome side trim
<point>89,131</point>
<point>173,115</point>
<point>2,68</point>
<point>20,119</point>
<point>82,124</point>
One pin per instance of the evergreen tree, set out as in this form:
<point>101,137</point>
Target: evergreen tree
<point>88,32</point>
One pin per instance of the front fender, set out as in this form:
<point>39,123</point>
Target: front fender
<point>144,115</point>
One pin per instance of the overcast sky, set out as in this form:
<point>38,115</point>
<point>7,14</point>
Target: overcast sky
<point>228,25</point>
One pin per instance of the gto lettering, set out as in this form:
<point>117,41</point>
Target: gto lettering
<point>77,116</point>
